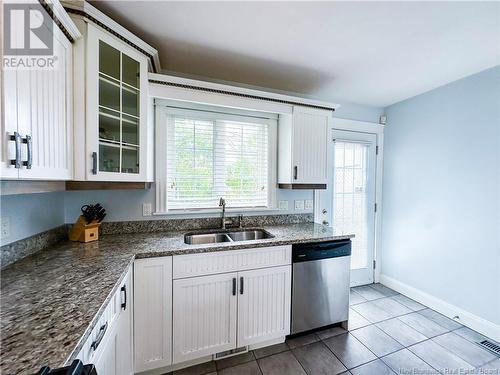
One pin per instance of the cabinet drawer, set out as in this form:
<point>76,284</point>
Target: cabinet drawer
<point>190,265</point>
<point>104,326</point>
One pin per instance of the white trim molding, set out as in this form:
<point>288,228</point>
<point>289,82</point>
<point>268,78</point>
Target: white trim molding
<point>481,325</point>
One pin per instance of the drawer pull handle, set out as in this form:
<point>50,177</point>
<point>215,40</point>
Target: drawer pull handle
<point>234,286</point>
<point>124,304</point>
<point>102,332</point>
<point>241,285</point>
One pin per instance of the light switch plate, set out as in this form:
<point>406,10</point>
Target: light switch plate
<point>147,210</point>
<point>309,204</point>
<point>299,205</point>
<point>283,205</point>
<point>5,227</point>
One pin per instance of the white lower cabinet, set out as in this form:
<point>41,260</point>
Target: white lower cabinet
<point>109,346</point>
<point>216,313</point>
<point>204,316</point>
<point>264,304</point>
<point>152,313</point>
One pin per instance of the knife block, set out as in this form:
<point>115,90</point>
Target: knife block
<point>83,232</point>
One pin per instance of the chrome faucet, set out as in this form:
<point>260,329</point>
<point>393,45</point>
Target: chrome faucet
<point>222,203</point>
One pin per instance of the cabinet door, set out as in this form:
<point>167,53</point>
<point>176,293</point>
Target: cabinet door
<point>152,313</point>
<point>204,316</point>
<point>9,124</point>
<point>124,337</point>
<point>309,150</point>
<point>264,297</point>
<point>107,363</point>
<point>116,128</point>
<point>44,100</point>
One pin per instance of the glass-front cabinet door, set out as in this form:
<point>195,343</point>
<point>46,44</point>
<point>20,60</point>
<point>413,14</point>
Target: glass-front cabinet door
<point>116,113</point>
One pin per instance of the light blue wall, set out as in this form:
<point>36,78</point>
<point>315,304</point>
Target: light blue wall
<point>441,194</point>
<point>30,214</point>
<point>33,213</point>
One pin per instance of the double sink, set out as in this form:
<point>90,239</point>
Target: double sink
<point>226,236</point>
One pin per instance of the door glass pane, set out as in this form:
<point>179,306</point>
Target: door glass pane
<point>351,197</point>
<point>109,126</point>
<point>130,130</point>
<point>130,71</point>
<point>109,158</point>
<point>130,101</point>
<point>130,160</point>
<point>109,60</point>
<point>109,94</point>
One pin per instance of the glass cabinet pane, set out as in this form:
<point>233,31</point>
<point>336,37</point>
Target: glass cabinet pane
<point>130,130</point>
<point>109,60</point>
<point>109,94</point>
<point>130,160</point>
<point>109,127</point>
<point>109,158</point>
<point>130,71</point>
<point>130,102</point>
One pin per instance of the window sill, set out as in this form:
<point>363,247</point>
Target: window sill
<point>216,211</point>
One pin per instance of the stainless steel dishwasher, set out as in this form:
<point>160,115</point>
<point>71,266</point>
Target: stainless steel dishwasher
<point>320,284</point>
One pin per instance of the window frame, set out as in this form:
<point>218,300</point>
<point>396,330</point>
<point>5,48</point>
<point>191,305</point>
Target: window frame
<point>164,113</point>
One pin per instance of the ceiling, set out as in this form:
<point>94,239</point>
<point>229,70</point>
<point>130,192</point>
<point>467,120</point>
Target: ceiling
<point>371,53</point>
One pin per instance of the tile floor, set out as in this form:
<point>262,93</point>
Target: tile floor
<point>390,334</point>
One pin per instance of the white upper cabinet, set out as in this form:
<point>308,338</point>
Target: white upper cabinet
<point>111,109</point>
<point>302,148</point>
<point>37,128</point>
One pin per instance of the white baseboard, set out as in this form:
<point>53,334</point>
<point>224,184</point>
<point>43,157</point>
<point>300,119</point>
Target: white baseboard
<point>483,326</point>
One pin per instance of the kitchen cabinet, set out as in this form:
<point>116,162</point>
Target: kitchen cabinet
<point>263,304</point>
<point>302,148</point>
<point>112,137</point>
<point>219,312</point>
<point>109,346</point>
<point>37,129</point>
<point>152,313</point>
<point>204,318</point>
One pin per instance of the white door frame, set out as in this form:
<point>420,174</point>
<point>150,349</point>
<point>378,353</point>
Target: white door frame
<point>322,205</point>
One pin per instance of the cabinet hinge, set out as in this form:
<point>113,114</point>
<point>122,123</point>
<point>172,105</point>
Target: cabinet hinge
<point>376,150</point>
<point>374,264</point>
<point>375,207</point>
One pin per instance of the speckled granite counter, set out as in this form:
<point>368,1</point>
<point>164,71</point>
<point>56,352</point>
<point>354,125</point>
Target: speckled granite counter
<point>51,300</point>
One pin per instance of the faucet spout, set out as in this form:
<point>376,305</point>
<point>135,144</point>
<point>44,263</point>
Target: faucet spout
<point>222,204</point>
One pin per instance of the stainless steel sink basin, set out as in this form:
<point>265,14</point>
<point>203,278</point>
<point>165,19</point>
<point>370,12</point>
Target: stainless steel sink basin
<point>247,235</point>
<point>226,236</point>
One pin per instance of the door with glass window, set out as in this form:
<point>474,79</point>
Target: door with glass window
<point>354,167</point>
<point>116,109</point>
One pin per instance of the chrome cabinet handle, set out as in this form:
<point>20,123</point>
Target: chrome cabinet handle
<point>94,163</point>
<point>102,332</point>
<point>17,141</point>
<point>295,170</point>
<point>28,164</point>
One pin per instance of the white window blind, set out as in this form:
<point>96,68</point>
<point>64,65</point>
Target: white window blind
<point>213,155</point>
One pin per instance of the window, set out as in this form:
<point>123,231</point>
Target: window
<point>210,155</point>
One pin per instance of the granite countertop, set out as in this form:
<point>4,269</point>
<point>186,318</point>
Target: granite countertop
<point>52,299</point>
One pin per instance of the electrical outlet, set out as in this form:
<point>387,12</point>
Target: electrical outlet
<point>309,204</point>
<point>299,205</point>
<point>5,227</point>
<point>147,209</point>
<point>283,205</point>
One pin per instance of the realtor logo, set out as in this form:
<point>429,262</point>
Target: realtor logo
<point>27,37</point>
<point>27,30</point>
